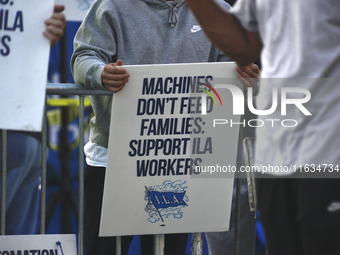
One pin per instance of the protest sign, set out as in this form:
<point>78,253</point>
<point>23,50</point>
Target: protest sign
<point>24,54</point>
<point>38,244</point>
<point>170,165</point>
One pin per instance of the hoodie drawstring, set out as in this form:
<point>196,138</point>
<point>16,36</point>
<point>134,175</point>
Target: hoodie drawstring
<point>173,15</point>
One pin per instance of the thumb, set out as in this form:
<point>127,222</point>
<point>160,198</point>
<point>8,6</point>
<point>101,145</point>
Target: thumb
<point>119,62</point>
<point>59,8</point>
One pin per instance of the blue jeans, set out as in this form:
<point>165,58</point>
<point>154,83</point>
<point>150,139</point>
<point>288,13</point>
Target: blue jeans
<point>23,181</point>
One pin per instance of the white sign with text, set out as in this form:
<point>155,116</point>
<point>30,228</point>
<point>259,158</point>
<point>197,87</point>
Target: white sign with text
<point>38,244</point>
<point>24,54</point>
<point>168,167</point>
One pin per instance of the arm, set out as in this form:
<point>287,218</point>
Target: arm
<point>94,60</point>
<point>55,25</point>
<point>226,32</point>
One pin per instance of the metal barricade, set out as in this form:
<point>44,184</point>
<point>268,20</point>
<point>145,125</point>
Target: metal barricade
<point>67,89</point>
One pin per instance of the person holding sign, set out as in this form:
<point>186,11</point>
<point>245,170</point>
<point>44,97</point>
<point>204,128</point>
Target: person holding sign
<point>24,159</point>
<point>299,187</point>
<point>134,33</point>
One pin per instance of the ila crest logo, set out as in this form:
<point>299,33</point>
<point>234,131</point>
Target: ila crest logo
<point>166,200</point>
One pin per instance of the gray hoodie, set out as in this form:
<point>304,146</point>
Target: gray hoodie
<point>137,32</point>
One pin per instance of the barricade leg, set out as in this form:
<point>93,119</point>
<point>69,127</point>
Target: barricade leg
<point>81,178</point>
<point>197,244</point>
<point>159,244</point>
<point>3,181</point>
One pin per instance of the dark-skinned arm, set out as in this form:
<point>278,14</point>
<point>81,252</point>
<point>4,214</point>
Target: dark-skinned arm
<point>226,32</point>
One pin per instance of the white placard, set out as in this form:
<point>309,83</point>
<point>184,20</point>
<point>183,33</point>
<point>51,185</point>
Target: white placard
<point>159,137</point>
<point>38,244</point>
<point>75,9</point>
<point>24,54</point>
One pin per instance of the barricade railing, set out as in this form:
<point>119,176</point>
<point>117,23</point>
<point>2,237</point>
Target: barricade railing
<point>68,89</point>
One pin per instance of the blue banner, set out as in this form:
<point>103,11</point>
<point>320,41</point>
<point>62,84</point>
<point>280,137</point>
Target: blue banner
<point>167,199</point>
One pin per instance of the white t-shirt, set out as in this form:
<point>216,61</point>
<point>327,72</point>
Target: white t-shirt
<point>300,44</point>
<point>96,155</point>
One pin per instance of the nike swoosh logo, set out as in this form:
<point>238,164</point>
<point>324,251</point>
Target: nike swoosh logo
<point>195,29</point>
<point>333,207</point>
